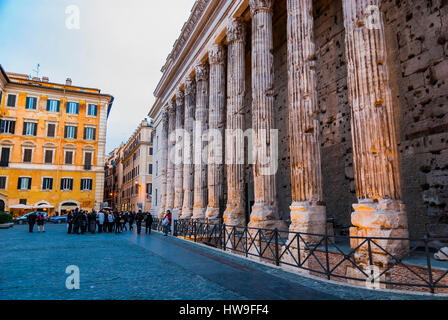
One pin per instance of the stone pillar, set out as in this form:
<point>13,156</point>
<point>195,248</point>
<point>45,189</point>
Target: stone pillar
<point>200,146</point>
<point>217,104</point>
<point>170,163</point>
<point>308,214</point>
<point>379,211</point>
<point>164,162</point>
<point>235,214</point>
<point>179,156</point>
<point>265,212</point>
<point>190,103</point>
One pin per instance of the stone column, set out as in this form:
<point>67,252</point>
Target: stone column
<point>308,214</point>
<point>170,164</point>
<point>235,214</point>
<point>164,162</point>
<point>217,104</point>
<point>265,212</point>
<point>379,211</point>
<point>179,150</point>
<point>200,146</point>
<point>190,104</point>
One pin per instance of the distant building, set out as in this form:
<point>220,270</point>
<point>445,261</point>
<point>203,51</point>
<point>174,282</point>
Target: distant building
<point>113,172</point>
<point>52,142</point>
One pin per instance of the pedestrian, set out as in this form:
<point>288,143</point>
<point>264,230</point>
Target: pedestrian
<point>31,221</point>
<point>166,222</point>
<point>139,219</point>
<point>70,222</point>
<point>92,222</point>
<point>125,220</point>
<point>110,218</point>
<point>84,222</point>
<point>40,221</point>
<point>76,221</point>
<point>131,221</point>
<point>149,221</point>
<point>100,218</point>
<point>117,222</point>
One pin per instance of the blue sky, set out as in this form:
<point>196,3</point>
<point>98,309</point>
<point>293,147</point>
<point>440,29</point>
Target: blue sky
<point>119,48</point>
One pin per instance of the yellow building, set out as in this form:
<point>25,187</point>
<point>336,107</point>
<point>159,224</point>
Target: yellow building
<point>52,143</point>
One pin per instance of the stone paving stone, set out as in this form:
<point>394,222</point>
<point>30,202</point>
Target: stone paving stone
<point>132,267</point>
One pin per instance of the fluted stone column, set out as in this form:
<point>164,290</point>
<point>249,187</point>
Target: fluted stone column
<point>179,154</point>
<point>190,106</point>
<point>379,211</point>
<point>164,162</point>
<point>217,103</point>
<point>200,144</point>
<point>171,159</point>
<point>308,214</point>
<point>235,214</point>
<point>265,212</point>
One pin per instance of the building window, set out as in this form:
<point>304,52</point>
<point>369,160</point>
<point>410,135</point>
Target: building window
<point>4,159</point>
<point>149,188</point>
<point>31,103</point>
<point>151,151</point>
<point>157,199</point>
<point>68,157</point>
<point>7,126</point>
<point>66,184</point>
<point>27,155</point>
<point>24,183</point>
<point>3,180</point>
<point>29,128</point>
<point>49,156</point>
<point>11,100</point>
<point>88,157</point>
<point>157,168</point>
<point>71,132</point>
<point>89,133</point>
<point>92,110</point>
<point>72,108</point>
<point>47,184</point>
<point>51,130</point>
<point>53,105</point>
<point>86,184</point>
<point>150,169</point>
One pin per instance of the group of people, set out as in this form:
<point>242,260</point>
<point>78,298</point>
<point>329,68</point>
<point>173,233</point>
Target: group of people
<point>81,222</point>
<point>36,217</point>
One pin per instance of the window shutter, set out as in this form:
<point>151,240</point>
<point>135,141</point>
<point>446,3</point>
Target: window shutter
<point>59,106</point>
<point>34,103</point>
<point>28,103</point>
<point>24,128</point>
<point>34,129</point>
<point>85,133</point>
<point>76,132</point>
<point>71,184</point>
<point>2,126</point>
<point>30,181</point>
<point>50,183</point>
<point>19,183</point>
<point>13,127</point>
<point>94,134</point>
<point>48,105</point>
<point>65,132</point>
<point>62,184</point>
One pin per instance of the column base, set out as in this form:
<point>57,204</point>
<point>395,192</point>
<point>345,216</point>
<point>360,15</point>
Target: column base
<point>234,216</point>
<point>308,218</point>
<point>212,215</point>
<point>186,214</point>
<point>383,219</point>
<point>199,213</point>
<point>266,217</point>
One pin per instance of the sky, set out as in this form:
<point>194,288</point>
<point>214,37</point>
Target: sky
<point>114,45</point>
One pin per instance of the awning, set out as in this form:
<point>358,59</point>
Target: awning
<point>20,206</point>
<point>44,206</point>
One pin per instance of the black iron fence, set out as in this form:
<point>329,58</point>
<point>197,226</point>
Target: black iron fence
<point>358,260</point>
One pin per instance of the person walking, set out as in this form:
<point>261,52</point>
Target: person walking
<point>100,219</point>
<point>70,222</point>
<point>76,221</point>
<point>125,221</point>
<point>40,221</point>
<point>31,221</point>
<point>166,222</point>
<point>139,219</point>
<point>131,221</point>
<point>117,219</point>
<point>110,218</point>
<point>149,221</point>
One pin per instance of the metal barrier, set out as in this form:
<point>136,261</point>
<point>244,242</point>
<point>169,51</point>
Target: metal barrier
<point>326,255</point>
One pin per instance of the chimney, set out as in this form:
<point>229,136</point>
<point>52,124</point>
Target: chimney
<point>68,82</point>
<point>36,79</point>
<point>45,79</point>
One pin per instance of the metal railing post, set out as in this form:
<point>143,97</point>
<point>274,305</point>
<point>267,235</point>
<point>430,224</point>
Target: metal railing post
<point>428,261</point>
<point>194,230</point>
<point>326,253</point>
<point>223,236</point>
<point>277,256</point>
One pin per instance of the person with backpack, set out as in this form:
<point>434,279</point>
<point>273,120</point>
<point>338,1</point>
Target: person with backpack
<point>166,222</point>
<point>149,221</point>
<point>139,219</point>
<point>40,221</point>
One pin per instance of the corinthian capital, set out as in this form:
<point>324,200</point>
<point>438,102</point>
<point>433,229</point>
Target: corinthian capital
<point>189,86</point>
<point>216,54</point>
<point>260,5</point>
<point>180,96</point>
<point>201,72</point>
<point>165,116</point>
<point>236,30</point>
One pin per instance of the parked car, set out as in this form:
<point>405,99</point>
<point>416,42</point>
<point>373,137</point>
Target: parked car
<point>61,219</point>
<point>24,219</point>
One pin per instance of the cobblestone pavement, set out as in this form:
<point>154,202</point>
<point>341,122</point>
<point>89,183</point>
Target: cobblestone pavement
<point>130,266</point>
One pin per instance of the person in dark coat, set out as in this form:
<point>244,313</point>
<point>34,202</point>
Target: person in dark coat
<point>76,221</point>
<point>70,222</point>
<point>131,220</point>
<point>125,221</point>
<point>117,219</point>
<point>40,221</point>
<point>83,222</point>
<point>139,219</point>
<point>31,221</point>
<point>92,222</point>
<point>149,221</point>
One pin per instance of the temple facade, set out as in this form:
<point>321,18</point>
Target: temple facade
<point>292,114</point>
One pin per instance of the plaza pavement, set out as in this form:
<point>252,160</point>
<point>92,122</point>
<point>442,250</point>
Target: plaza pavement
<point>140,267</point>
